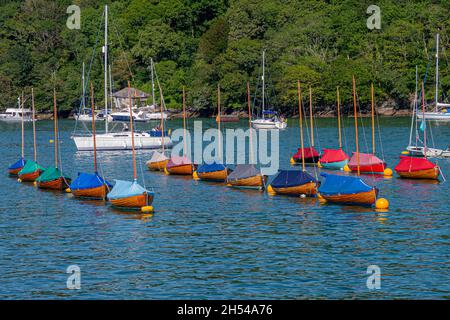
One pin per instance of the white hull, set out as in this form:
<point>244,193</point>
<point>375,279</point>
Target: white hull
<point>431,152</point>
<point>268,124</point>
<point>156,116</point>
<point>120,141</point>
<point>436,116</point>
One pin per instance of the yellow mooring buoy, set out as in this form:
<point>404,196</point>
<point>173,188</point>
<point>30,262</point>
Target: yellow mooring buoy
<point>382,204</point>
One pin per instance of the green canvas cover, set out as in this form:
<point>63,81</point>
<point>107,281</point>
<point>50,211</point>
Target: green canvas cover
<point>30,167</point>
<point>50,174</point>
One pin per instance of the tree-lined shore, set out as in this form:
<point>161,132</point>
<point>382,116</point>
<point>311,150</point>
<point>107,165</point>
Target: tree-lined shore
<point>197,44</point>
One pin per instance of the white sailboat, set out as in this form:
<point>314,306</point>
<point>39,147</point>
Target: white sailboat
<point>269,119</point>
<point>85,114</point>
<point>118,140</point>
<point>441,110</point>
<point>15,114</point>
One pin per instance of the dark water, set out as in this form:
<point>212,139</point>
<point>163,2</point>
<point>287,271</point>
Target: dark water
<point>208,241</point>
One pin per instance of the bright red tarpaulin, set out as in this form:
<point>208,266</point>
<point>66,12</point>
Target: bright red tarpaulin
<point>365,159</point>
<point>333,155</point>
<point>408,164</point>
<point>308,152</point>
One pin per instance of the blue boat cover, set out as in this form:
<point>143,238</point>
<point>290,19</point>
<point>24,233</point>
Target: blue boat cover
<point>335,184</point>
<point>291,178</point>
<point>212,167</point>
<point>269,112</point>
<point>158,133</point>
<point>243,171</point>
<point>18,164</point>
<point>88,181</point>
<point>125,189</point>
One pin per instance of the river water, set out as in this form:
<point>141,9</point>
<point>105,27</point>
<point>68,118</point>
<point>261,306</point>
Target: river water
<point>207,241</point>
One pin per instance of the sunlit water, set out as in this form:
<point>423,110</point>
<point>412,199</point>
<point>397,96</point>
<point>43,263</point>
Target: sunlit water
<point>209,241</point>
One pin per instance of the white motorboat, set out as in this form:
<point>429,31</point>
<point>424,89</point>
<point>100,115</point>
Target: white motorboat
<point>15,115</point>
<point>269,119</point>
<point>430,152</point>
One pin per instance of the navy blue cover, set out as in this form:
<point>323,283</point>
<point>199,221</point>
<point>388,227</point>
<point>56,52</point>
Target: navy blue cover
<point>213,167</point>
<point>88,181</point>
<point>291,178</point>
<point>157,133</point>
<point>269,112</point>
<point>18,164</point>
<point>335,184</point>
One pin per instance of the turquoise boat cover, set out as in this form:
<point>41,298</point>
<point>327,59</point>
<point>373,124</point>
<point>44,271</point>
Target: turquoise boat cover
<point>18,164</point>
<point>338,185</point>
<point>291,178</point>
<point>212,167</point>
<point>50,174</point>
<point>88,181</point>
<point>125,189</point>
<point>30,167</point>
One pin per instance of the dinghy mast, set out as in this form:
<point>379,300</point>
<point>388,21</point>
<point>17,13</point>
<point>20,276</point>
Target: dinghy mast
<point>34,125</point>
<point>55,120</point>
<point>339,117</point>
<point>218,114</point>
<point>132,132</point>
<point>23,129</point>
<point>300,117</point>
<point>93,128</point>
<point>250,121</point>
<point>311,117</point>
<point>373,119</point>
<point>356,124</point>
<point>424,122</point>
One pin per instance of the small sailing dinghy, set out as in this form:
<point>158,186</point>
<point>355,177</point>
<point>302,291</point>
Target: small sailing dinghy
<point>294,182</point>
<point>308,154</point>
<point>15,168</point>
<point>368,162</point>
<point>87,185</point>
<point>247,176</point>
<point>129,194</point>
<point>52,178</point>
<point>32,170</point>
<point>215,171</point>
<point>418,168</point>
<point>346,189</point>
<point>335,159</point>
<point>181,165</point>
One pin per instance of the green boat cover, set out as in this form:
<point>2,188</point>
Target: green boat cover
<point>50,174</point>
<point>30,167</point>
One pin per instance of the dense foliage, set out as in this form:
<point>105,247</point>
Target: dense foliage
<point>197,43</point>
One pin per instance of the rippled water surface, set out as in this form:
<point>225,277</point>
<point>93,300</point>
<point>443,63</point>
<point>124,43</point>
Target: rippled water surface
<point>209,241</point>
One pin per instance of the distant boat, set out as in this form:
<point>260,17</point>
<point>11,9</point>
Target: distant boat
<point>294,182</point>
<point>87,185</point>
<point>19,114</point>
<point>335,159</point>
<point>441,110</point>
<point>368,162</point>
<point>215,171</point>
<point>52,177</point>
<point>130,194</point>
<point>32,170</point>
<point>17,166</point>
<point>309,155</point>
<point>181,165</point>
<point>344,189</point>
<point>269,118</point>
<point>227,118</point>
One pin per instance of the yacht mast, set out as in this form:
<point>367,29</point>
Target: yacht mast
<point>263,82</point>
<point>83,102</point>
<point>436,94</point>
<point>413,111</point>
<point>105,52</point>
<point>153,83</point>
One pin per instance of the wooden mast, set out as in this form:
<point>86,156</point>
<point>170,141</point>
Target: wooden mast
<point>162,119</point>
<point>356,124</point>
<point>311,117</point>
<point>424,122</point>
<point>55,120</point>
<point>373,119</point>
<point>93,128</point>
<point>300,117</point>
<point>132,132</point>
<point>339,117</point>
<point>34,125</point>
<point>23,129</point>
<point>218,125</point>
<point>250,121</point>
<point>184,122</point>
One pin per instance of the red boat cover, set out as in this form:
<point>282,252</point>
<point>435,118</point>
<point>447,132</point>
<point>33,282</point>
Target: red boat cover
<point>365,159</point>
<point>409,164</point>
<point>176,161</point>
<point>333,155</point>
<point>309,152</point>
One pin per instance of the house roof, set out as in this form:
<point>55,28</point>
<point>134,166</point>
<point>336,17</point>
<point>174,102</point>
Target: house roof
<point>135,93</point>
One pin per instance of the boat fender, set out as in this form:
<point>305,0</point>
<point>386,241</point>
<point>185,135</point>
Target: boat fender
<point>319,165</point>
<point>19,180</point>
<point>347,168</point>
<point>405,152</point>
<point>35,183</point>
<point>166,172</point>
<point>382,204</point>
<point>195,176</point>
<point>147,209</point>
<point>270,190</point>
<point>321,199</point>
<point>68,190</point>
<point>292,161</point>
